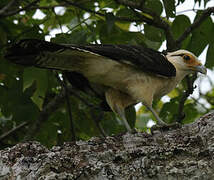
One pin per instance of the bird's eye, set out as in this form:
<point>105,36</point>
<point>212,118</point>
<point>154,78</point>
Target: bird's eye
<point>186,57</point>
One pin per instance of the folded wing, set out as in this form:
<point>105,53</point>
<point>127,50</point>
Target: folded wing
<point>33,52</point>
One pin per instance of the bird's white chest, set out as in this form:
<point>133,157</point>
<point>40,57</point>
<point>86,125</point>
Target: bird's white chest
<point>164,86</point>
<point>144,87</point>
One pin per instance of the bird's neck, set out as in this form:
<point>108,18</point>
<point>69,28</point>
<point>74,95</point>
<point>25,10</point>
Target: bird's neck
<point>180,74</point>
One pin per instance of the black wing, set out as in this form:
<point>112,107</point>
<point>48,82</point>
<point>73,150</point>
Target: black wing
<point>145,59</point>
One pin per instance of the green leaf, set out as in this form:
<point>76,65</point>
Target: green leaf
<point>210,57</point>
<point>48,133</point>
<point>155,6</point>
<point>125,12</point>
<point>108,4</point>
<point>179,24</point>
<point>32,75</point>
<point>190,112</point>
<point>123,26</point>
<point>201,37</point>
<point>169,6</point>
<point>29,91</point>
<point>76,37</point>
<point>153,33</point>
<point>169,110</point>
<point>16,103</point>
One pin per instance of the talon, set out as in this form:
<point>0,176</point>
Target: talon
<point>165,127</point>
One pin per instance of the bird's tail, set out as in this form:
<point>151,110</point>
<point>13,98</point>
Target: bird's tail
<point>27,51</point>
<point>43,54</point>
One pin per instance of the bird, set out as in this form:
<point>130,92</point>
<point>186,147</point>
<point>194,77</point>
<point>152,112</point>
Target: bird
<point>127,74</point>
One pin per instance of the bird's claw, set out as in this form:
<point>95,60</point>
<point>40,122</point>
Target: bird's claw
<point>165,127</point>
<point>133,131</point>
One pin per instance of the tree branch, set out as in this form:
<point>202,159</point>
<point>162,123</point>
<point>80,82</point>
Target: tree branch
<point>185,95</point>
<point>5,135</point>
<point>100,14</point>
<point>51,107</point>
<point>11,13</point>
<point>93,107</point>
<point>65,86</point>
<point>155,21</point>
<point>186,153</point>
<point>8,6</point>
<point>196,24</point>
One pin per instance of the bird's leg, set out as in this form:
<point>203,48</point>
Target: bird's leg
<point>161,125</point>
<point>118,101</point>
<point>121,113</point>
<point>97,117</point>
<point>160,121</point>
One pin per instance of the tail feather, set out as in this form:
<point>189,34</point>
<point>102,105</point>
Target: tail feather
<point>26,51</point>
<point>43,54</point>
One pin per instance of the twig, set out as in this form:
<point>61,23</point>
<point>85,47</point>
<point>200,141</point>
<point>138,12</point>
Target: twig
<point>47,7</point>
<point>133,4</point>
<point>60,24</point>
<point>5,135</point>
<point>51,107</point>
<point>97,122</point>
<point>194,25</point>
<point>64,83</point>
<point>155,21</point>
<point>73,92</point>
<point>187,10</point>
<point>201,104</point>
<point>5,8</point>
<point>83,8</point>
<point>190,89</point>
<point>70,90</point>
<point>11,13</point>
<point>127,19</point>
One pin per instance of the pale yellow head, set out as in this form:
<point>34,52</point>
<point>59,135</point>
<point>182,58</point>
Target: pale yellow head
<point>186,61</point>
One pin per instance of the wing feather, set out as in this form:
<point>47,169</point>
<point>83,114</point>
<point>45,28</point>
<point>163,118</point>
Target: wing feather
<point>142,58</point>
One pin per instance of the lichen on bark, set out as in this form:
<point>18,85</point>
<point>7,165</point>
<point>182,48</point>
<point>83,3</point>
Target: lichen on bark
<point>184,153</point>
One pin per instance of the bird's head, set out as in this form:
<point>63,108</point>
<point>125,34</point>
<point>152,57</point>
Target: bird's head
<point>186,61</point>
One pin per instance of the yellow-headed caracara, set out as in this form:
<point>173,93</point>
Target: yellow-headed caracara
<point>127,74</point>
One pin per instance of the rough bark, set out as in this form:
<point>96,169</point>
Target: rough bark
<point>184,153</point>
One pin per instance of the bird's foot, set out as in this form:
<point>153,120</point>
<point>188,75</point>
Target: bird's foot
<point>165,127</point>
<point>133,131</point>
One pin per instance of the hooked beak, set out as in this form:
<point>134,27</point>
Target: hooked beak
<point>200,68</point>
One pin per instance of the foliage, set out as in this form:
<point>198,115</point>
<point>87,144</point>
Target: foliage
<point>28,94</point>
